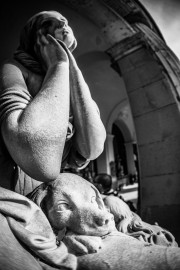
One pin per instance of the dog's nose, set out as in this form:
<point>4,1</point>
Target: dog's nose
<point>102,221</point>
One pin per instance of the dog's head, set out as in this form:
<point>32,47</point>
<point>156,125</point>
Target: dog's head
<point>71,202</point>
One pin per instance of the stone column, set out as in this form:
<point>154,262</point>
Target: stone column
<point>149,70</point>
<point>106,161</point>
<point>130,158</point>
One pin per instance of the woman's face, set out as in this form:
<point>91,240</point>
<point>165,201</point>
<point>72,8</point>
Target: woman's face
<point>58,27</point>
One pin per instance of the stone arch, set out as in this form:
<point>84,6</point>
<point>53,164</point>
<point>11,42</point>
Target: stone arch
<point>121,115</point>
<point>151,74</point>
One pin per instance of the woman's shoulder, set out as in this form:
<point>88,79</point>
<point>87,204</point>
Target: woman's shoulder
<point>12,65</point>
<point>10,69</point>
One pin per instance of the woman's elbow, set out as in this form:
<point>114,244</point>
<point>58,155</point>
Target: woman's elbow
<point>97,147</point>
<point>42,164</point>
<point>43,172</point>
<point>98,144</point>
<point>96,152</point>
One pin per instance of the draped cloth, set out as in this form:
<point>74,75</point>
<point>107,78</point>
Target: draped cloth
<point>31,227</point>
<point>152,234</point>
<point>131,224</point>
<point>32,230</point>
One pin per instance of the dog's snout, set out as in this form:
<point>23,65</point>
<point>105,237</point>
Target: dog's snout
<point>103,221</point>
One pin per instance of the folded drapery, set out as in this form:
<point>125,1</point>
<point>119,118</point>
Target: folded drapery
<point>33,231</point>
<point>148,233</point>
<point>131,224</point>
<point>31,227</point>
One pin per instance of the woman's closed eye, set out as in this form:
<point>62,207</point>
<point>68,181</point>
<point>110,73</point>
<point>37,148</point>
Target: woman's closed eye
<point>47,24</point>
<point>62,24</point>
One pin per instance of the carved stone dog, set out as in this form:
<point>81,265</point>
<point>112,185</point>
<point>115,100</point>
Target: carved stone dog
<point>76,212</point>
<point>78,216</point>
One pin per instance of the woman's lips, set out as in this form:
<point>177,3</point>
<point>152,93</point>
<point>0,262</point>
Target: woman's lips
<point>65,33</point>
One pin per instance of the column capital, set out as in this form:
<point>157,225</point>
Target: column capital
<point>126,46</point>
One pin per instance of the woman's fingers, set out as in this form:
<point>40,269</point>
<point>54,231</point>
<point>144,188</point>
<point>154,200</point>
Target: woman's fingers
<point>41,39</point>
<point>51,39</point>
<point>50,49</point>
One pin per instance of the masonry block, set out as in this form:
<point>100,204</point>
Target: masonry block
<point>158,125</point>
<point>151,97</point>
<point>160,158</point>
<point>147,72</point>
<point>164,189</point>
<point>135,59</point>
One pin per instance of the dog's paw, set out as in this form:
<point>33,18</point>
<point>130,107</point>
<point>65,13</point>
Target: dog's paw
<point>82,244</point>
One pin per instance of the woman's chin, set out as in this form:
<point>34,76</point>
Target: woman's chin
<point>68,40</point>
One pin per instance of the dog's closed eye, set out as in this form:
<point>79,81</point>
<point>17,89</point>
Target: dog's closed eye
<point>97,199</point>
<point>62,206</point>
<point>95,202</point>
<point>93,199</point>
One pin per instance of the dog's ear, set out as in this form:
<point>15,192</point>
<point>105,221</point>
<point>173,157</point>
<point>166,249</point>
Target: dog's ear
<point>38,194</point>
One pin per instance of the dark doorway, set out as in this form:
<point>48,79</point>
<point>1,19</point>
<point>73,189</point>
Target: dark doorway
<point>119,151</point>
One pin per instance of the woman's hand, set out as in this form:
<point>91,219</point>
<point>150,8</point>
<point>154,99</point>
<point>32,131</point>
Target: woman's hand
<point>50,51</point>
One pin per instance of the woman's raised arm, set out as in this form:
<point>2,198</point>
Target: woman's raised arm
<point>35,136</point>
